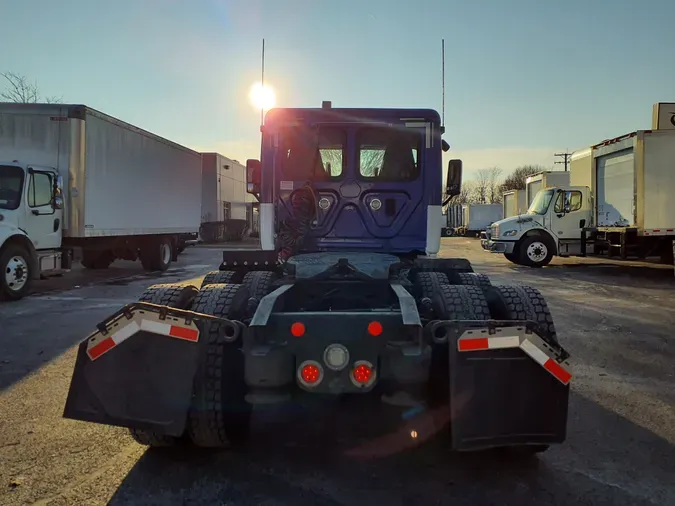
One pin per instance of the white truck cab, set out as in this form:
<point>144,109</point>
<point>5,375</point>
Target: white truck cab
<point>31,222</point>
<point>551,226</point>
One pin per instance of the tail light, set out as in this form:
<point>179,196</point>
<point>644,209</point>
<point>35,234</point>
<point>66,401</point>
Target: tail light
<point>363,374</point>
<point>375,328</point>
<point>310,373</point>
<point>298,329</point>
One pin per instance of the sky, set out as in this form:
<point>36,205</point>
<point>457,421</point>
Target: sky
<point>524,78</point>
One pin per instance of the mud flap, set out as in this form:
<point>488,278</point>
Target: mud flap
<point>508,386</point>
<point>137,369</point>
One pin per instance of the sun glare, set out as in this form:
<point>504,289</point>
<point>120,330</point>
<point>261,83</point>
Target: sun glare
<point>262,97</point>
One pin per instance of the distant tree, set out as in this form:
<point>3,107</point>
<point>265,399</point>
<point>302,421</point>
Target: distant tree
<point>19,90</point>
<point>516,180</point>
<point>488,186</point>
<point>466,194</point>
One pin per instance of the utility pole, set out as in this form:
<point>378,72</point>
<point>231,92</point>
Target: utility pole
<point>565,156</point>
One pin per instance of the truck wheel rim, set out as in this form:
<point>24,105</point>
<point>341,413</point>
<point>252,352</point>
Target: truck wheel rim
<point>537,251</point>
<point>166,254</point>
<point>16,273</point>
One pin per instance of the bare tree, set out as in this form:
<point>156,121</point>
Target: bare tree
<point>494,185</point>
<point>488,186</point>
<point>466,194</point>
<point>20,90</point>
<point>516,180</point>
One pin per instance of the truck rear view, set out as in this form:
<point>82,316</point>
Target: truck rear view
<point>346,297</point>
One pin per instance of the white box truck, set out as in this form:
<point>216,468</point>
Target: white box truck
<point>73,179</point>
<point>624,208</point>
<point>544,179</point>
<point>514,202</point>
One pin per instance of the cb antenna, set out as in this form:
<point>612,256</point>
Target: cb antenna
<point>443,85</point>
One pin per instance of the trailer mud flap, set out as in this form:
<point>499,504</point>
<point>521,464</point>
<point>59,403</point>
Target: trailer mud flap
<point>508,386</point>
<point>137,369</point>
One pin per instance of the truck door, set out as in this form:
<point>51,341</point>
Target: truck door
<point>569,214</point>
<point>43,223</point>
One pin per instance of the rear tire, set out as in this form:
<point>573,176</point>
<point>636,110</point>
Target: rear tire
<point>217,278</point>
<point>474,279</point>
<point>259,283</point>
<point>220,416</point>
<point>157,255</point>
<point>429,283</point>
<point>452,302</point>
<point>178,297</point>
<point>526,303</point>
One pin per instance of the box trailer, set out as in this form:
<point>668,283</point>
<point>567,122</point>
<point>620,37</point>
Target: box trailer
<point>227,212</point>
<point>73,179</point>
<point>632,182</point>
<point>544,179</point>
<point>514,202</point>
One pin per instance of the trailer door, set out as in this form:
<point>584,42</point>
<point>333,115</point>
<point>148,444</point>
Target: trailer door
<point>532,190</point>
<point>616,189</point>
<point>509,205</point>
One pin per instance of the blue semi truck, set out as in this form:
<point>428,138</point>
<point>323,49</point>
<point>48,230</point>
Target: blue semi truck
<point>346,296</point>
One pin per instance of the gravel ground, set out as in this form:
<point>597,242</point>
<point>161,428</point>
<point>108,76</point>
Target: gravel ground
<point>614,318</point>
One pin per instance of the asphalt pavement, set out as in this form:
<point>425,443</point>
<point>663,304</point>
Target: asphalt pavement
<point>615,319</point>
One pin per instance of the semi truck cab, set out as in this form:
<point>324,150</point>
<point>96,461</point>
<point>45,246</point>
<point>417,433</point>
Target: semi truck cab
<point>31,222</point>
<point>552,225</point>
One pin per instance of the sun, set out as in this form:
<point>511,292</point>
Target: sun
<point>262,96</point>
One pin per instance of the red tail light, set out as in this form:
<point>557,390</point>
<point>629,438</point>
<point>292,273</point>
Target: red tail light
<point>363,373</point>
<point>298,329</point>
<point>375,328</point>
<point>310,373</point>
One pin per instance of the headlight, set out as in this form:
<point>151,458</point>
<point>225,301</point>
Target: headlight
<point>510,233</point>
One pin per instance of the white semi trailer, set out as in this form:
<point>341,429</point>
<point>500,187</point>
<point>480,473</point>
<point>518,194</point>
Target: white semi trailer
<point>75,180</point>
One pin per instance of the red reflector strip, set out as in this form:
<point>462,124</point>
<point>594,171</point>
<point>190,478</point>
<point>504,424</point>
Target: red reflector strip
<point>488,343</point>
<point>99,349</point>
<point>480,343</point>
<point>183,333</point>
<point>124,333</point>
<point>547,363</point>
<point>554,368</point>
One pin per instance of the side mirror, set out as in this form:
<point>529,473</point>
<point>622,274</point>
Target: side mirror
<point>58,193</point>
<point>253,176</point>
<point>453,182</point>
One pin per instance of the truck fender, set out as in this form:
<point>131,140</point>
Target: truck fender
<point>10,234</point>
<point>553,242</point>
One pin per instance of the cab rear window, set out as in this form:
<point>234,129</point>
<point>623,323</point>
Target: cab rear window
<point>386,154</point>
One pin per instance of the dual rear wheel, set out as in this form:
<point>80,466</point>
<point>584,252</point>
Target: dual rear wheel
<point>219,415</point>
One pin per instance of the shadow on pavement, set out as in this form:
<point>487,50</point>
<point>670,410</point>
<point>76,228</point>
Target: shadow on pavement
<point>607,460</point>
<point>36,330</point>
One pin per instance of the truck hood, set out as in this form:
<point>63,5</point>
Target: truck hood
<point>519,222</point>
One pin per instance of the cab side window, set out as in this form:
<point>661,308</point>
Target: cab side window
<point>568,201</point>
<point>573,200</point>
<point>40,190</point>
